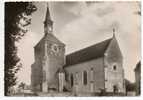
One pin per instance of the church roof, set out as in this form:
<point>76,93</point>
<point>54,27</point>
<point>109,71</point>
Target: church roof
<point>86,54</point>
<point>49,37</point>
<point>53,38</point>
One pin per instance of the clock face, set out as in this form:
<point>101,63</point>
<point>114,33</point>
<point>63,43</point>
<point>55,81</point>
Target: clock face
<point>55,48</point>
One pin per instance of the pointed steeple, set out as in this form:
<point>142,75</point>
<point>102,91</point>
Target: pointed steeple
<point>48,17</point>
<point>48,23</point>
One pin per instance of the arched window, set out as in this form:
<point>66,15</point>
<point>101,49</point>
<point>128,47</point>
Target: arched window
<point>91,75</point>
<point>114,67</point>
<point>72,80</point>
<point>85,78</point>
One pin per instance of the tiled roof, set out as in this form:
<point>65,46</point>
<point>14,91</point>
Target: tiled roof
<point>86,54</point>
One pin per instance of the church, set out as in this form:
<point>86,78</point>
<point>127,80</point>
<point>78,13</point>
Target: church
<point>90,70</point>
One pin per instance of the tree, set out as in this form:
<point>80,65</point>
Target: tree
<point>17,17</point>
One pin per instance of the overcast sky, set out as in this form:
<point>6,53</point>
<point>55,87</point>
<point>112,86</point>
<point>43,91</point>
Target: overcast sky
<point>81,24</point>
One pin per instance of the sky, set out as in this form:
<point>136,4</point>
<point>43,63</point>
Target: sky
<point>81,24</point>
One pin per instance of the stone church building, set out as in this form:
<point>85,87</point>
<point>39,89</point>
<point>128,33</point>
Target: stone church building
<point>89,70</point>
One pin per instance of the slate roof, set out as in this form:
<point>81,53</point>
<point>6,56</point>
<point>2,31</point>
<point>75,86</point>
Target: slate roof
<point>89,53</point>
<point>53,38</point>
<point>49,37</point>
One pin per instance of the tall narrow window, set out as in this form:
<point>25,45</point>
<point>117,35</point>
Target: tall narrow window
<point>71,80</point>
<point>92,75</point>
<point>114,67</point>
<point>76,78</point>
<point>85,78</point>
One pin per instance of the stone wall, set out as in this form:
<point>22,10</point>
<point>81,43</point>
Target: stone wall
<point>36,77</point>
<point>92,85</point>
<point>49,62</point>
<point>114,72</point>
<point>54,62</point>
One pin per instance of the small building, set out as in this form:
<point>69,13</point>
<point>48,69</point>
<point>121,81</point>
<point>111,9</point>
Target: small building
<point>138,78</point>
<point>130,88</point>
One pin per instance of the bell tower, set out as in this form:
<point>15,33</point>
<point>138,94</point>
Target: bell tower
<point>53,56</point>
<point>49,54</point>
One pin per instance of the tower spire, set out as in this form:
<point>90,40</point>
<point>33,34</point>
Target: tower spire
<point>48,23</point>
<point>48,17</point>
